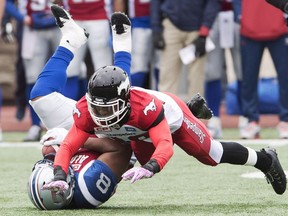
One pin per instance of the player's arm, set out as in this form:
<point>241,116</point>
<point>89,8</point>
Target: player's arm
<point>72,142</point>
<point>115,154</point>
<point>164,150</point>
<point>280,4</point>
<point>163,146</point>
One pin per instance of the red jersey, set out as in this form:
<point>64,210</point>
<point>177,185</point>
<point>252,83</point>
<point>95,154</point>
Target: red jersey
<point>82,158</point>
<point>262,21</point>
<point>226,5</point>
<point>90,10</point>
<point>154,117</point>
<point>139,8</point>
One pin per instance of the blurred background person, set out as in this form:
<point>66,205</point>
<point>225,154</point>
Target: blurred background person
<point>144,68</point>
<point>8,34</point>
<point>177,24</point>
<point>39,41</point>
<point>17,11</point>
<point>2,6</point>
<point>225,34</point>
<point>94,17</point>
<point>267,29</point>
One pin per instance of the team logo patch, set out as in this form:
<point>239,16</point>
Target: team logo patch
<point>130,129</point>
<point>151,106</point>
<point>77,112</point>
<point>123,86</point>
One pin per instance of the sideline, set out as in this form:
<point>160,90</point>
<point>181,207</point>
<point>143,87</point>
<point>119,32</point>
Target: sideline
<point>20,144</point>
<point>256,175</point>
<point>268,142</point>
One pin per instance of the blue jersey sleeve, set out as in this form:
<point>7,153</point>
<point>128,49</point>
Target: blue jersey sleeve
<point>13,11</point>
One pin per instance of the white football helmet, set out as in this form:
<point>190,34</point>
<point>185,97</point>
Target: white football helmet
<point>42,173</point>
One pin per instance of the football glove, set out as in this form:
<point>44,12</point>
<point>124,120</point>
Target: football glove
<point>54,136</point>
<point>7,33</point>
<point>158,40</point>
<point>200,44</point>
<point>136,174</point>
<point>55,186</point>
<point>199,108</point>
<point>59,182</point>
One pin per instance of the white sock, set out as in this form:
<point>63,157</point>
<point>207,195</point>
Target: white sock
<point>64,43</point>
<point>122,42</point>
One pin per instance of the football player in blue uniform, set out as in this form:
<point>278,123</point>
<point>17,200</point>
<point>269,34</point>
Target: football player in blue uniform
<point>98,166</point>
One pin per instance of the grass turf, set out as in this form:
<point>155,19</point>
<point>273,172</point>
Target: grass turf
<point>184,187</point>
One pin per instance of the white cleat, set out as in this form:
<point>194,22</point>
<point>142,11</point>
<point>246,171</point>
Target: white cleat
<point>121,31</point>
<point>73,36</point>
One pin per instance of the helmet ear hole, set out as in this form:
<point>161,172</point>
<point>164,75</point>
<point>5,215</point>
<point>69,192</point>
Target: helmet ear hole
<point>44,199</point>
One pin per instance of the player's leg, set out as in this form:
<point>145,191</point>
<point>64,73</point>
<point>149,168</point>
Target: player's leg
<point>46,99</point>
<point>122,42</point>
<point>194,138</point>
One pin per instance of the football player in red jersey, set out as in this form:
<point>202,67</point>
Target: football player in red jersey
<point>151,122</point>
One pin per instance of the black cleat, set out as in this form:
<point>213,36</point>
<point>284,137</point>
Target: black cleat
<point>72,33</point>
<point>121,32</point>
<point>275,174</point>
<point>199,108</point>
<point>60,12</point>
<point>120,22</point>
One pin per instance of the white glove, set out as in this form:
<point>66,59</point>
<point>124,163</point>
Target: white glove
<point>136,174</point>
<point>54,136</point>
<point>58,185</point>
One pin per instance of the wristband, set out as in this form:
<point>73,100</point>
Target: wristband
<point>59,174</point>
<point>152,166</point>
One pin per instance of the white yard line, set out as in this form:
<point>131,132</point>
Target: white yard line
<point>268,142</point>
<point>20,144</point>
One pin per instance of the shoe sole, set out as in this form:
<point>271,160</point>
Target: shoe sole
<point>119,20</point>
<point>273,154</point>
<point>59,12</point>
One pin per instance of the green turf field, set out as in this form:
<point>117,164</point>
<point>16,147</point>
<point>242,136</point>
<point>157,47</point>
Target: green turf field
<point>184,187</point>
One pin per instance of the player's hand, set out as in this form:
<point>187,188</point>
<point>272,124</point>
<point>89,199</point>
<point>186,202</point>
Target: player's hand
<point>55,186</point>
<point>136,174</point>
<point>200,44</point>
<point>158,40</point>
<point>54,136</point>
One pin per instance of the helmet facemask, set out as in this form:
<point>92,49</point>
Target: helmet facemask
<point>106,114</point>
